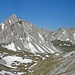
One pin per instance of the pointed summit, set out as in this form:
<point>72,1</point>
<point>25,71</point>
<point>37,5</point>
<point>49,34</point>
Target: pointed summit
<point>10,20</point>
<point>13,15</point>
<point>13,18</point>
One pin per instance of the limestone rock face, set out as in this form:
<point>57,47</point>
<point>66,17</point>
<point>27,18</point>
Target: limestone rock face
<point>23,35</point>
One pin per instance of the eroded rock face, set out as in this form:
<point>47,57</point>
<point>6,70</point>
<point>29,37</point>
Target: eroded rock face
<point>23,35</point>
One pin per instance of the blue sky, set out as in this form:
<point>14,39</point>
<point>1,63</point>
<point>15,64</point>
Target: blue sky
<point>49,14</point>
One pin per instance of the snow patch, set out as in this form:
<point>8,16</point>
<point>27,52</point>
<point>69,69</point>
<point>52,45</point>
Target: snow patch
<point>47,55</point>
<point>33,38</point>
<point>5,72</point>
<point>40,42</point>
<point>10,59</point>
<point>41,36</point>
<point>52,37</point>
<point>28,38</point>
<point>32,48</point>
<point>26,46</point>
<point>20,73</point>
<point>18,48</point>
<point>9,21</point>
<point>2,25</point>
<point>44,48</point>
<point>74,35</point>
<point>64,32</point>
<point>10,46</point>
<point>19,24</point>
<point>39,48</point>
<point>67,39</point>
<point>59,38</point>
<point>54,48</point>
<point>21,38</point>
<point>50,49</point>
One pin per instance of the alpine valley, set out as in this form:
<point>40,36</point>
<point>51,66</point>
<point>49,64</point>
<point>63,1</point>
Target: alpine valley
<point>26,49</point>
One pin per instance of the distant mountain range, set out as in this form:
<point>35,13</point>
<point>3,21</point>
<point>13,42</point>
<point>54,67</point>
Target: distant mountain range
<point>24,48</point>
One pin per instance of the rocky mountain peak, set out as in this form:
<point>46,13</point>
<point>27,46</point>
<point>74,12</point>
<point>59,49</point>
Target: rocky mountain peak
<point>9,21</point>
<point>22,35</point>
<point>12,19</point>
<point>13,15</point>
